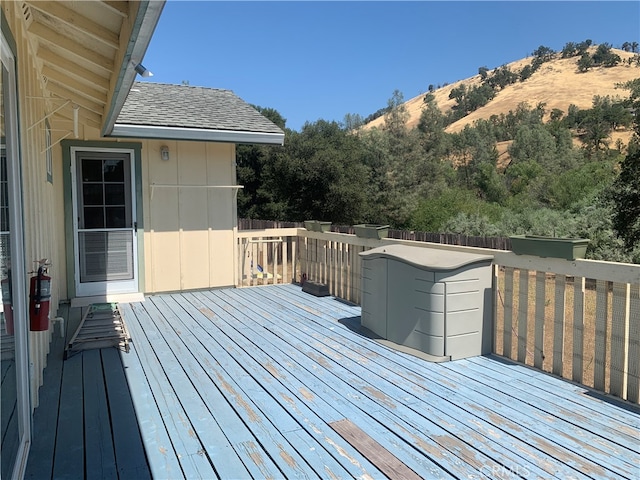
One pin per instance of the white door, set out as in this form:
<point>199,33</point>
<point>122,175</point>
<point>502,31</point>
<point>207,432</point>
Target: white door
<point>105,224</point>
<point>14,360</point>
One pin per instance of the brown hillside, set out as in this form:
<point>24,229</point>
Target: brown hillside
<point>557,84</point>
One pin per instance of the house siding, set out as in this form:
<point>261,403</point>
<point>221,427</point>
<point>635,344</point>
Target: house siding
<point>189,215</point>
<point>40,197</point>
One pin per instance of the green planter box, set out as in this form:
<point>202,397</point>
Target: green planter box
<point>567,248</point>
<point>317,226</point>
<point>369,230</point>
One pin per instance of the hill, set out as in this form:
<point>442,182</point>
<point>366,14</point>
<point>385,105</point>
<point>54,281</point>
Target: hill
<point>557,83</point>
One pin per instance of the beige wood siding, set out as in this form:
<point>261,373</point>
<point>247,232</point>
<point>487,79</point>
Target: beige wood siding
<point>189,215</point>
<point>39,196</point>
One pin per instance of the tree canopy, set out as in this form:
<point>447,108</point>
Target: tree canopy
<point>425,178</point>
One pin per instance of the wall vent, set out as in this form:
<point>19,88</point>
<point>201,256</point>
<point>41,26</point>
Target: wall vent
<point>26,13</point>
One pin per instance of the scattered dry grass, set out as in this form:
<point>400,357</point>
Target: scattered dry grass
<point>557,84</point>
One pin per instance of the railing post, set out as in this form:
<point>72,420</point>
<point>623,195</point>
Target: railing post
<point>578,329</point>
<point>495,271</point>
<point>523,311</point>
<point>618,352</point>
<point>558,324</point>
<point>633,385</point>
<point>600,354</point>
<point>507,334</point>
<point>538,336</point>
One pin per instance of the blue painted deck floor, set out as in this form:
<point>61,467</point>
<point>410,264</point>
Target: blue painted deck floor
<point>270,382</point>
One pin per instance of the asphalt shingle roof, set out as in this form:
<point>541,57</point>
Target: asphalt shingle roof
<point>185,106</point>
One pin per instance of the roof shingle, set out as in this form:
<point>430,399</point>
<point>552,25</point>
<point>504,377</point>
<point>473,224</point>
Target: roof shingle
<point>185,106</point>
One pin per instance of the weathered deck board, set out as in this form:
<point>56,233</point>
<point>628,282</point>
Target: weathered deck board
<point>261,405</point>
<point>83,428</point>
<point>40,462</point>
<point>450,418</point>
<point>100,457</point>
<point>276,347</point>
<point>247,383</point>
<point>314,370</point>
<point>384,392</point>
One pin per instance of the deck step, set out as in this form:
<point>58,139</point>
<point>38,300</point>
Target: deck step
<point>101,326</point>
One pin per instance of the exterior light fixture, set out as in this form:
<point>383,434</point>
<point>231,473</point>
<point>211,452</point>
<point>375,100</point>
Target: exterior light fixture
<point>164,152</point>
<point>142,71</point>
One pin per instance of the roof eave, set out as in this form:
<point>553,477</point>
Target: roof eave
<point>205,135</point>
<point>144,25</point>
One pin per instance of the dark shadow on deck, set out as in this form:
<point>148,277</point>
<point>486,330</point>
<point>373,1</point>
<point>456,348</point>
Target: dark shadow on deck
<point>353,324</point>
<point>85,425</point>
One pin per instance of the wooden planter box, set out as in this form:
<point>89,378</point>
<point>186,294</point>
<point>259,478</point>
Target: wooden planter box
<point>317,226</point>
<point>567,248</point>
<point>368,230</point>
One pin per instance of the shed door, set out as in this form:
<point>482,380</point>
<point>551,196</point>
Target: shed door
<point>106,227</point>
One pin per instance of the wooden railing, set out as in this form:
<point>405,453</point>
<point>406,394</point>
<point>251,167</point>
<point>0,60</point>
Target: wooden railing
<point>577,319</point>
<point>266,257</point>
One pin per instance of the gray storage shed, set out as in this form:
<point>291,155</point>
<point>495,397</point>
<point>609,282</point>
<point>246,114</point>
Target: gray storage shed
<point>436,301</point>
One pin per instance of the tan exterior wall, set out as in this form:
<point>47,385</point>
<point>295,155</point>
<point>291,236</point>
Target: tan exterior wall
<point>39,196</point>
<point>189,215</point>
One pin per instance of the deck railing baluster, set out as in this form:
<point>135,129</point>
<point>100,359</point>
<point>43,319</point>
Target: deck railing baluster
<point>508,312</point>
<point>523,313</point>
<point>538,340</point>
<point>600,353</point>
<point>558,324</point>
<point>633,384</point>
<point>578,329</point>
<point>592,332</point>
<point>619,339</point>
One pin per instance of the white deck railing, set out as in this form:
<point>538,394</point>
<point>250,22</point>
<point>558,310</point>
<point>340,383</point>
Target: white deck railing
<point>577,319</point>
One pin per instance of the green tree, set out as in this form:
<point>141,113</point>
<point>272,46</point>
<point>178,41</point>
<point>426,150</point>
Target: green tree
<point>353,121</point>
<point>533,142</point>
<point>545,54</point>
<point>585,62</point>
<point>395,120</point>
<point>582,47</point>
<point>625,193</point>
<point>569,50</point>
<point>595,130</point>
<point>526,72</point>
<point>250,163</point>
<point>604,56</point>
<point>435,211</point>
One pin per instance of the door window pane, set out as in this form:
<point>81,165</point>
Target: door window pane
<point>93,217</point>
<point>92,194</point>
<point>113,171</point>
<point>116,217</point>
<point>114,194</point>
<point>91,170</point>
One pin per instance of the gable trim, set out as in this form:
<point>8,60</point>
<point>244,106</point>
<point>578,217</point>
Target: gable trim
<point>182,133</point>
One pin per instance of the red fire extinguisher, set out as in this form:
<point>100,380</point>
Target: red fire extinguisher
<point>7,303</point>
<point>39,298</point>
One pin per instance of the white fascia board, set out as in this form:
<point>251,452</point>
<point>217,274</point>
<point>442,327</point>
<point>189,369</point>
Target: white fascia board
<point>207,135</point>
<point>144,24</point>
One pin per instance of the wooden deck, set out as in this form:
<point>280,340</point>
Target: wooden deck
<point>85,426</point>
<point>270,382</point>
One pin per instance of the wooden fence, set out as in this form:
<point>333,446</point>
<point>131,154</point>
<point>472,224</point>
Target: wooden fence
<point>498,243</point>
<point>577,319</point>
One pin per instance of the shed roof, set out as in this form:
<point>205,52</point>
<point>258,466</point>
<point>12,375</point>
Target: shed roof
<point>184,112</point>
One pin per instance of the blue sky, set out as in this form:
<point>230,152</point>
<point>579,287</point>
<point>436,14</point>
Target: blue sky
<point>322,60</point>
